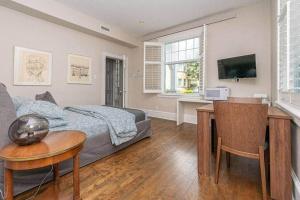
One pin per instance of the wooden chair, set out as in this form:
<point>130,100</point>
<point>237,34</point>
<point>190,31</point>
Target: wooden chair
<point>245,100</point>
<point>241,100</point>
<point>241,131</point>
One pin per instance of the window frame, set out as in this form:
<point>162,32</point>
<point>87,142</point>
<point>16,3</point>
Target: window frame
<point>289,92</point>
<point>198,60</point>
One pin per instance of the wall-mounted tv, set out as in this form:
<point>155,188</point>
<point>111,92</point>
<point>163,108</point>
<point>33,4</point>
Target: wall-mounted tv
<point>237,67</point>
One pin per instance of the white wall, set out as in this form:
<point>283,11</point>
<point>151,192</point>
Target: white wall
<point>59,13</point>
<point>18,29</point>
<point>249,33</point>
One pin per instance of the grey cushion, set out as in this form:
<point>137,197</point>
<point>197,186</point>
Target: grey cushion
<point>139,114</point>
<point>7,115</point>
<point>47,96</point>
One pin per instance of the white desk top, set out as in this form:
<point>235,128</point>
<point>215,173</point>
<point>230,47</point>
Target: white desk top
<point>193,100</point>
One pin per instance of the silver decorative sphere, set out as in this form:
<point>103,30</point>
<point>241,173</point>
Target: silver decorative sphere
<point>28,129</point>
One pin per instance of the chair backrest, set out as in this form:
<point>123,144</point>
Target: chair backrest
<point>245,100</point>
<point>241,126</point>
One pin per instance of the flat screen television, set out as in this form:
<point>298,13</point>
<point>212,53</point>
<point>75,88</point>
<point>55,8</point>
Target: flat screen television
<point>237,67</point>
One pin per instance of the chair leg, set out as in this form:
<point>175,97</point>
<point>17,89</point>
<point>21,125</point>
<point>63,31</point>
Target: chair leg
<point>263,172</point>
<point>218,164</point>
<point>228,159</point>
<point>267,163</point>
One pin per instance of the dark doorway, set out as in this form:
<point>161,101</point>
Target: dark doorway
<point>114,93</point>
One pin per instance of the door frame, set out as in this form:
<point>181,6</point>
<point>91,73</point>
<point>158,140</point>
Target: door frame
<point>124,59</point>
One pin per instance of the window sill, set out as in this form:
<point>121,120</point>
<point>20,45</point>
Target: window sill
<point>165,95</point>
<point>294,112</point>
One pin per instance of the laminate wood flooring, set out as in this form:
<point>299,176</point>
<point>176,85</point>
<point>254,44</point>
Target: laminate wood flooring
<point>161,167</point>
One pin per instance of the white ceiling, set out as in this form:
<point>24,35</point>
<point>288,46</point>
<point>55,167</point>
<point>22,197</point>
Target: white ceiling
<point>156,14</point>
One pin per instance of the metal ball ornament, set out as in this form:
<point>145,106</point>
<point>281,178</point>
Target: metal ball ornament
<point>28,129</point>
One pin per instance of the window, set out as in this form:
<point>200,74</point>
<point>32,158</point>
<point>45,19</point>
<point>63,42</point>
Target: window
<point>289,52</point>
<point>175,67</point>
<point>182,66</point>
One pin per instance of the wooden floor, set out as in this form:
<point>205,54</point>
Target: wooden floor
<point>162,167</point>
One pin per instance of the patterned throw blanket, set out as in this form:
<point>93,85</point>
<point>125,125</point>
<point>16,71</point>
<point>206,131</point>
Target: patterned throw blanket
<point>121,124</point>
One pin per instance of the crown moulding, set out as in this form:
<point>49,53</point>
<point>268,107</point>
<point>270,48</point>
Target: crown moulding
<point>60,14</point>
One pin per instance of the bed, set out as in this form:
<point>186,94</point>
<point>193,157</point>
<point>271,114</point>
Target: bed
<point>98,145</point>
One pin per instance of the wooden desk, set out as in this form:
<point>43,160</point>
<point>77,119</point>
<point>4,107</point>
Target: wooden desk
<point>280,149</point>
<point>53,149</point>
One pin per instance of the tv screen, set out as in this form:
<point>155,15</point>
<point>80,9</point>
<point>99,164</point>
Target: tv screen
<point>237,67</point>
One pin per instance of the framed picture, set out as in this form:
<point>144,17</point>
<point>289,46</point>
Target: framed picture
<point>79,69</point>
<point>32,67</point>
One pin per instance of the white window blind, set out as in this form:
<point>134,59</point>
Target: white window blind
<point>289,52</point>
<point>153,60</point>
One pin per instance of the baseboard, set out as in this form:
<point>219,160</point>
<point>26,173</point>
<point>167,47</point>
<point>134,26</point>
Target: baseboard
<point>188,118</point>
<point>160,114</point>
<point>296,186</point>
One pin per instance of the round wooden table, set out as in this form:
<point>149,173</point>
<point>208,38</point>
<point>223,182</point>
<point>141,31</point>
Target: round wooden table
<point>53,149</point>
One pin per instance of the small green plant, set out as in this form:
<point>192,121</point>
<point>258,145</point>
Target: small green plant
<point>192,76</point>
<point>188,91</point>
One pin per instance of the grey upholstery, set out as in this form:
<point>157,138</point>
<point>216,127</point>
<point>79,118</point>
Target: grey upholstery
<point>47,96</point>
<point>139,114</point>
<point>7,115</point>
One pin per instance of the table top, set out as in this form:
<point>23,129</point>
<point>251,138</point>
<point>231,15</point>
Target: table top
<point>194,100</point>
<point>55,143</point>
<point>273,112</point>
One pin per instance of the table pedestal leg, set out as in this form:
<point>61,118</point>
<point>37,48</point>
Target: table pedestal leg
<point>56,173</point>
<point>8,184</point>
<point>76,186</point>
<point>280,159</point>
<point>204,143</point>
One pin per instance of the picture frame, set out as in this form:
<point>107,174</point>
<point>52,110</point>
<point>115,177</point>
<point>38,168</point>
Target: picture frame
<point>32,67</point>
<point>79,69</point>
